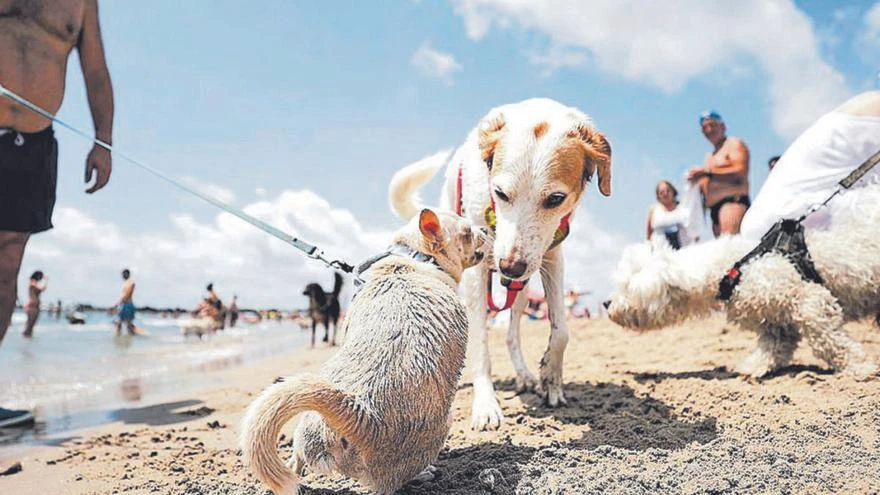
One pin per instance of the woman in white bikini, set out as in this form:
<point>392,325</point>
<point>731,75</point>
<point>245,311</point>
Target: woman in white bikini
<point>669,222</point>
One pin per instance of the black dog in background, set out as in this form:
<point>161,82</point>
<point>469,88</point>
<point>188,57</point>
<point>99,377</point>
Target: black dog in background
<point>324,308</point>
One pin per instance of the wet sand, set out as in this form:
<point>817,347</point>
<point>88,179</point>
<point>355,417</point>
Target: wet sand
<point>647,413</point>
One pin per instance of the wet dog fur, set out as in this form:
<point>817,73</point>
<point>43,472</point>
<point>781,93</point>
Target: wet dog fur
<point>379,409</point>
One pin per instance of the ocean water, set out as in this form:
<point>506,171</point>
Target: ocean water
<point>73,376</point>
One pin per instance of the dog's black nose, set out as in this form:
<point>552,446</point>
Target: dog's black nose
<point>606,303</point>
<point>478,256</point>
<point>512,269</point>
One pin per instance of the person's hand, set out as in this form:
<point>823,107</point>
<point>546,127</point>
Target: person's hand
<point>98,161</point>
<point>696,173</point>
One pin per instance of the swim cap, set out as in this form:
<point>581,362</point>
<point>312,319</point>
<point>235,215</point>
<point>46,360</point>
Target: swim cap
<point>711,115</point>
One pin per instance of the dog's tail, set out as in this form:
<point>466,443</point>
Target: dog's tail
<point>280,403</point>
<point>402,192</point>
<point>337,285</point>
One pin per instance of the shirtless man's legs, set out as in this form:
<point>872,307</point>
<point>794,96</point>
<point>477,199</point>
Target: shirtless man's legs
<point>11,251</point>
<point>129,325</point>
<point>729,219</point>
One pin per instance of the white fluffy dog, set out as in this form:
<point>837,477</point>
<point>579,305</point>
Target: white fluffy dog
<point>666,287</point>
<point>532,160</point>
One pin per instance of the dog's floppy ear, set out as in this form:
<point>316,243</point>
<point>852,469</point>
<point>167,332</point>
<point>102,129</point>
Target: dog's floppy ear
<point>429,226</point>
<point>598,156</point>
<point>490,129</point>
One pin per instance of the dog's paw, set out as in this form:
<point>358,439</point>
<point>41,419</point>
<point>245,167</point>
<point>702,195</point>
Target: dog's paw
<point>526,382</point>
<point>553,394</point>
<point>861,371</point>
<point>551,386</point>
<point>486,413</point>
<point>430,473</point>
<point>296,465</point>
<point>757,365</point>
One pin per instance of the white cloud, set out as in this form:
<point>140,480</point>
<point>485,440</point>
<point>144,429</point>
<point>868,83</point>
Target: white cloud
<point>557,58</point>
<point>669,44</point>
<point>83,257</point>
<point>435,64</point>
<point>591,254</point>
<point>210,189</point>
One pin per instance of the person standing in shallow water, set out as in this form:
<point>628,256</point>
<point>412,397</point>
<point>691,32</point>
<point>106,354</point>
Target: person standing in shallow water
<point>126,306</point>
<point>233,311</point>
<point>36,286</point>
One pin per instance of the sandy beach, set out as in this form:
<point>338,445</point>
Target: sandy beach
<point>647,413</point>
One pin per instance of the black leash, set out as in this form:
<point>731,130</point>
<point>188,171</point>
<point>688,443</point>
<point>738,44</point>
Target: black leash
<point>786,237</point>
<point>846,183</point>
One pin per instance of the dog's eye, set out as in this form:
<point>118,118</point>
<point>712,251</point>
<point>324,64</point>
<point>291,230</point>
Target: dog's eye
<point>502,196</point>
<point>489,161</point>
<point>554,200</point>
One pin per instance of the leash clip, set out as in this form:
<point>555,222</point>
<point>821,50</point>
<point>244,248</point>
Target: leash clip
<point>317,254</point>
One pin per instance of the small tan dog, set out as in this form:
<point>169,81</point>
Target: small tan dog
<point>379,410</point>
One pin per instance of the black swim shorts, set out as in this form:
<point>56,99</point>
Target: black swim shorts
<point>28,174</point>
<point>715,209</point>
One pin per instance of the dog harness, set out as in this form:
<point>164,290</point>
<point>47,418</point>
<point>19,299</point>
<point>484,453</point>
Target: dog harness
<point>786,238</point>
<point>513,286</point>
<point>395,250</point>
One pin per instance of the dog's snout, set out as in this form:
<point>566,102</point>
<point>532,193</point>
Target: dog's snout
<point>512,269</point>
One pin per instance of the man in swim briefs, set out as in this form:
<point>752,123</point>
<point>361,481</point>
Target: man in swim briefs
<point>724,176</point>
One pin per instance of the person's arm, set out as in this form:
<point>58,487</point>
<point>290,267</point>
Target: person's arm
<point>100,94</point>
<point>127,290</point>
<point>650,227</point>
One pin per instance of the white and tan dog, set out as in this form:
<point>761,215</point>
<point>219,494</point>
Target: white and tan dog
<point>663,288</point>
<point>380,407</point>
<point>533,159</point>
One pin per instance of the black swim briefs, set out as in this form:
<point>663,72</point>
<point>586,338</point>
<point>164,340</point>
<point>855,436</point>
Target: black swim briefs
<point>28,174</point>
<point>715,209</point>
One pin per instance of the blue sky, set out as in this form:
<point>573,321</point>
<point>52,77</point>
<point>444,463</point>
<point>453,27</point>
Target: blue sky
<point>302,112</point>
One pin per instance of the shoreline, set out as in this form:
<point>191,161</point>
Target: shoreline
<point>647,413</point>
<point>196,367</point>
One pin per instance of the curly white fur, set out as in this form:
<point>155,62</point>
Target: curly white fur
<point>667,287</point>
